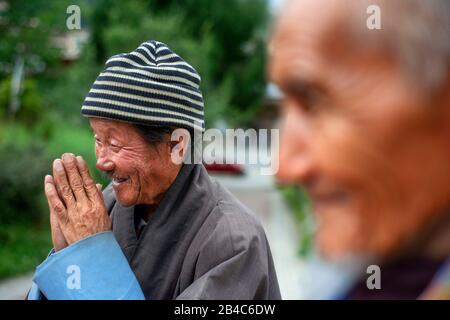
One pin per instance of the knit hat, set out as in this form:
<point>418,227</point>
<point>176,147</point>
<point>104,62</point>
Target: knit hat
<point>151,85</point>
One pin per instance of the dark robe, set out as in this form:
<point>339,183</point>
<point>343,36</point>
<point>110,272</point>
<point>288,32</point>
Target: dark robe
<point>200,243</point>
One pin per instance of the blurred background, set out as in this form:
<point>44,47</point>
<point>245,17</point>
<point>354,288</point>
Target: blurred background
<point>47,69</point>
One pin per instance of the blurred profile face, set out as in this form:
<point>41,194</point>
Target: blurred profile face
<point>372,151</point>
<point>140,173</point>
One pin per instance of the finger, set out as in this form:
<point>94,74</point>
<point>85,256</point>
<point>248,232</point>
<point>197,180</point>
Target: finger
<point>74,177</point>
<point>62,184</point>
<point>60,226</point>
<point>54,221</point>
<point>53,217</point>
<point>89,183</point>
<point>99,187</point>
<point>49,179</point>
<point>55,204</point>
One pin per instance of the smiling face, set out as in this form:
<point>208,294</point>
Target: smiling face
<point>141,173</point>
<point>370,148</point>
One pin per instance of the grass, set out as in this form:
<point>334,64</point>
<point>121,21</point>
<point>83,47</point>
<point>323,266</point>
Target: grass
<point>24,246</point>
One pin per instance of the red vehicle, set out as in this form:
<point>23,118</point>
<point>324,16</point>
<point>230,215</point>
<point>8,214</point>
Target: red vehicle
<point>224,168</point>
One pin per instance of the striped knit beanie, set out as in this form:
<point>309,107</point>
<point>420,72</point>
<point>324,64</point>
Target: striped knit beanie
<point>151,85</point>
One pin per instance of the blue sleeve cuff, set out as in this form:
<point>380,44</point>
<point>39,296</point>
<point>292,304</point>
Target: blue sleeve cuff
<point>93,268</point>
<point>34,293</point>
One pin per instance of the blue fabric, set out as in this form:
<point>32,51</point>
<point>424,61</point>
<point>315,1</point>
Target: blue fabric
<point>34,293</point>
<point>92,268</point>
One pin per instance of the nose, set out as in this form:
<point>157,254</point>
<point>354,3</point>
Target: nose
<point>104,163</point>
<point>296,160</point>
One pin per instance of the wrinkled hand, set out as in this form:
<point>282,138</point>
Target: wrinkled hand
<point>77,209</point>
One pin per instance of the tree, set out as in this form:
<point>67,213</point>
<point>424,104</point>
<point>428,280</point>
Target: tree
<point>223,40</point>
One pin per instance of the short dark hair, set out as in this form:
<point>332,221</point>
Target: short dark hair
<point>154,135</point>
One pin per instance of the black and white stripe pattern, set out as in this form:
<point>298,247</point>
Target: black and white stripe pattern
<point>151,85</point>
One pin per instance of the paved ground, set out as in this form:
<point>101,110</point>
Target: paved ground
<point>16,288</point>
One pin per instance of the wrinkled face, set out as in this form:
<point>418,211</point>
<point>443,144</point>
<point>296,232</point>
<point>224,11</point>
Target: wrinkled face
<point>358,135</point>
<point>140,173</point>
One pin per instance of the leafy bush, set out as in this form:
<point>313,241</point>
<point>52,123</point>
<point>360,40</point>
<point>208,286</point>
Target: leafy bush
<point>22,247</point>
<point>223,40</point>
<point>21,182</point>
<point>31,110</point>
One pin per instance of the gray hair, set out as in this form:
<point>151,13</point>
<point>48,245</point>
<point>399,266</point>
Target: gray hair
<point>415,32</point>
<point>154,135</point>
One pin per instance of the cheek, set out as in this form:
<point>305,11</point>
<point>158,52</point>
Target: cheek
<point>146,171</point>
<point>344,153</point>
<point>382,213</point>
<point>347,157</point>
<point>130,160</point>
<point>338,232</point>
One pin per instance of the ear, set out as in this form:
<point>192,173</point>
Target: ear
<point>180,143</point>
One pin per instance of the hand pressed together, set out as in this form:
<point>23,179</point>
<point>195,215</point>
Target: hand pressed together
<point>77,209</point>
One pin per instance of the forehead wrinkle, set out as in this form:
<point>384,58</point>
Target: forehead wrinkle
<point>310,42</point>
<point>296,49</point>
<point>111,128</point>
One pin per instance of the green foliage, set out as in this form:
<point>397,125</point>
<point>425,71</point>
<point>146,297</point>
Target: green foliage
<point>21,180</point>
<point>223,40</point>
<point>64,90</point>
<point>31,111</point>
<point>22,247</point>
<point>299,204</point>
<point>25,30</point>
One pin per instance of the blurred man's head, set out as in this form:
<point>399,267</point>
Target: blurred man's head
<point>366,118</point>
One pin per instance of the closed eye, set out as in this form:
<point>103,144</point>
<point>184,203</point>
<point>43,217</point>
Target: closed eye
<point>97,141</point>
<point>309,96</point>
<point>115,147</point>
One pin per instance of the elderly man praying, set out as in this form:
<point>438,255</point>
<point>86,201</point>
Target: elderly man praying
<point>162,229</point>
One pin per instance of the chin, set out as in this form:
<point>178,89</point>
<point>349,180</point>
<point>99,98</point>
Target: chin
<point>125,200</point>
<point>333,249</point>
<point>346,230</point>
<point>335,244</point>
<point>338,236</point>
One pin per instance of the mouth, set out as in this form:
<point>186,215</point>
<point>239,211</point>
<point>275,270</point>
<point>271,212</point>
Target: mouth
<point>118,181</point>
<point>325,200</point>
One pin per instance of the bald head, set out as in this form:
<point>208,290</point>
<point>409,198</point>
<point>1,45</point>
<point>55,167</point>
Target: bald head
<point>414,33</point>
